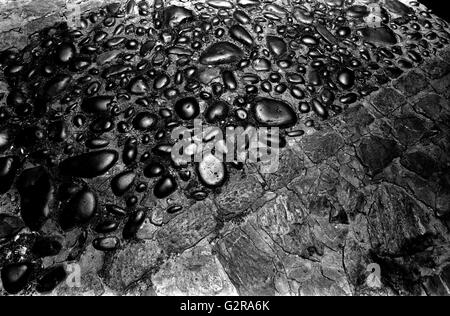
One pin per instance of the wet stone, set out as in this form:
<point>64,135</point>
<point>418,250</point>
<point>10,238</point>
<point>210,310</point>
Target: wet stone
<point>212,172</point>
<point>130,151</point>
<point>436,68</point>
<point>320,109</point>
<point>343,31</point>
<point>15,277</point>
<point>187,108</point>
<point>147,47</point>
<point>65,52</point>
<point>290,167</point>
<point>410,129</point>
<point>326,34</point>
<point>314,78</point>
<point>89,165</point>
<point>139,86</point>
<point>303,16</point>
<point>309,40</point>
<point>276,45</point>
<point>221,53</point>
<point>430,105</point>
<point>154,169</point>
<point>106,243</point>
<point>80,209</point>
<point>46,247</point>
<point>412,83</point>
<point>36,192</point>
<point>382,35</point>
<point>174,209</point>
<point>161,82</point>
<point>122,183</point>
<point>295,78</point>
<point>217,112</point>
<point>421,163</point>
<point>272,112</point>
<point>99,104</point>
<point>442,86</point>
<point>397,7</point>
<point>398,235</point>
<point>133,224</point>
<point>262,64</point>
<point>241,17</point>
<point>10,226</point>
<point>107,226</point>
<point>388,100</point>
<point>115,210</point>
<point>176,15</point>
<point>241,35</point>
<point>220,4</point>
<point>346,78</point>
<point>8,171</point>
<point>358,117</point>
<point>57,85</point>
<point>248,3</point>
<point>349,98</point>
<point>321,146</point>
<point>377,153</point>
<point>229,80</point>
<point>434,286</point>
<point>88,113</point>
<point>165,187</point>
<point>357,11</point>
<point>188,228</point>
<point>145,121</point>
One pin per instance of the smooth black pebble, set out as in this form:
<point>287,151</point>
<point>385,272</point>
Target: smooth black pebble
<point>36,191</point>
<point>16,276</point>
<point>89,165</point>
<point>121,183</point>
<point>187,108</point>
<point>133,224</point>
<point>80,209</point>
<point>165,187</point>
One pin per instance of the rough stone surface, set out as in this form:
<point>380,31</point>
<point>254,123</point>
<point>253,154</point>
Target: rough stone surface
<point>377,153</point>
<point>188,228</point>
<point>239,194</point>
<point>387,100</point>
<point>131,264</point>
<point>196,272</point>
<point>399,225</point>
<point>411,84</point>
<point>436,68</point>
<point>321,146</point>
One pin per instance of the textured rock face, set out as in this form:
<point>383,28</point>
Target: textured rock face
<point>87,179</point>
<point>321,146</point>
<point>196,272</point>
<point>188,228</point>
<point>21,18</point>
<point>398,224</point>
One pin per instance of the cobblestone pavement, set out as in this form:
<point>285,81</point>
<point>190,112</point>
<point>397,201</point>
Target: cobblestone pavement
<point>360,204</point>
